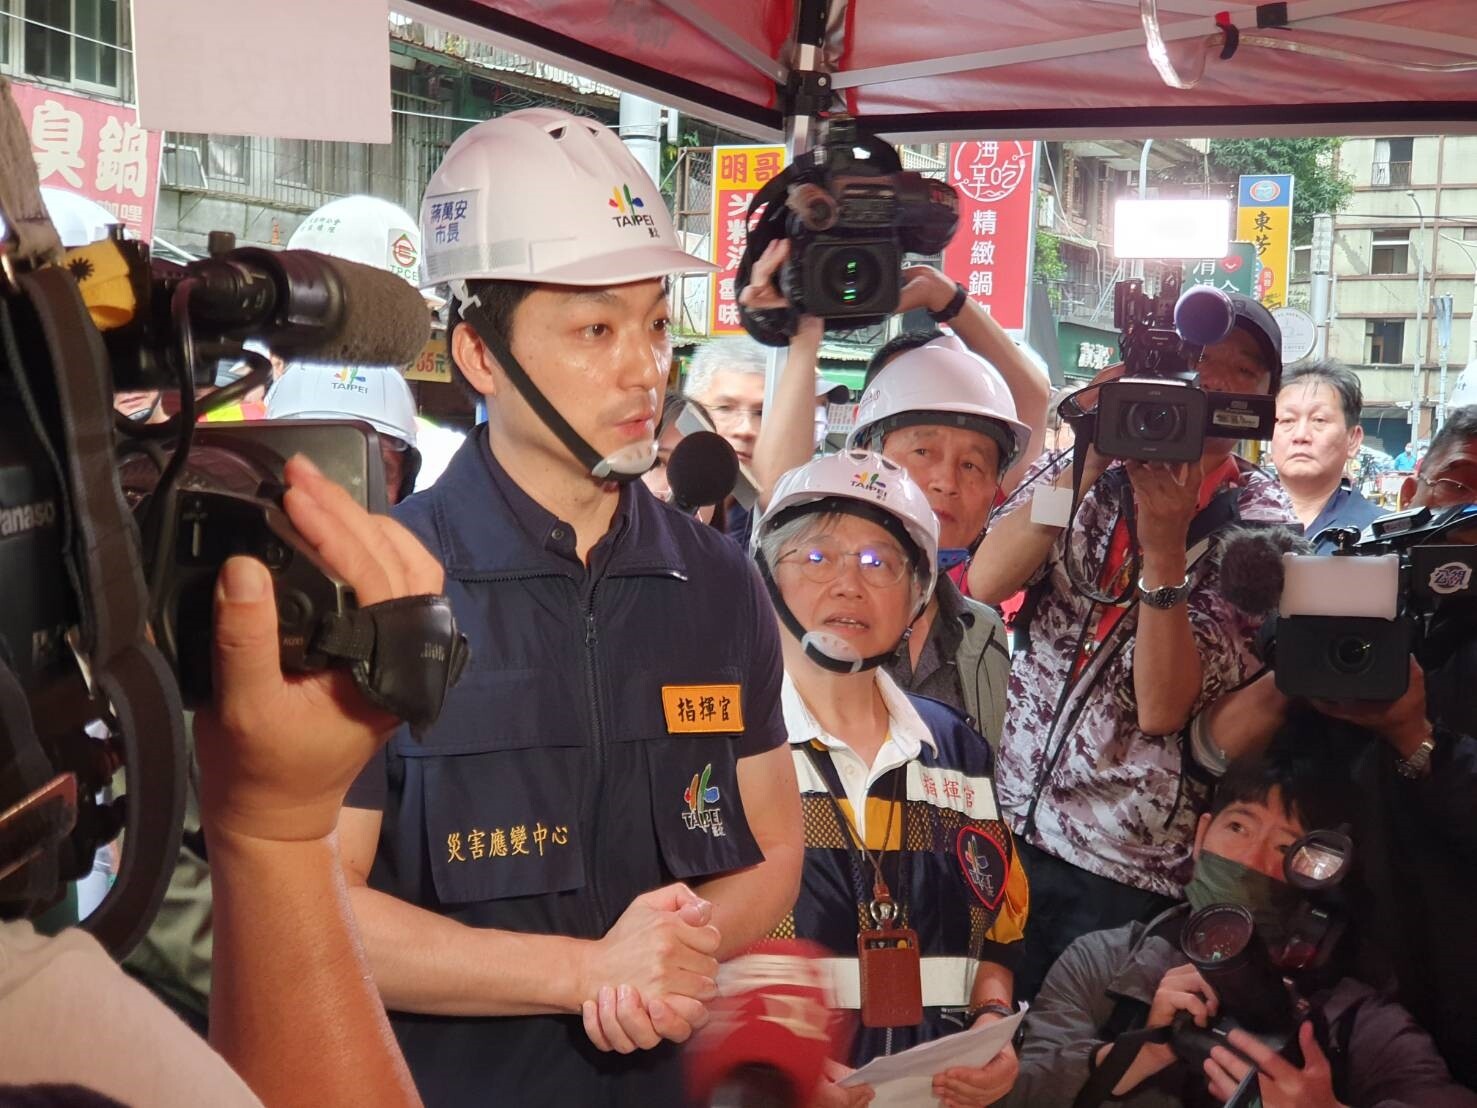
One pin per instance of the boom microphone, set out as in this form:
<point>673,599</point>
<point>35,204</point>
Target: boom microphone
<point>1251,566</point>
<point>702,470</point>
<point>771,1031</point>
<point>310,306</point>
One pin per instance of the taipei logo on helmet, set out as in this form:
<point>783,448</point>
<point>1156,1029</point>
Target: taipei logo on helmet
<point>350,379</point>
<point>628,211</point>
<point>870,482</point>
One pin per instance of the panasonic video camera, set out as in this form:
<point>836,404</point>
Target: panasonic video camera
<point>1348,622</point>
<point>1156,411</point>
<point>850,212</point>
<point>92,579</point>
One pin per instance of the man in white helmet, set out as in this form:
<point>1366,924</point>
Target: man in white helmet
<point>379,395</point>
<point>521,872</point>
<point>961,414</point>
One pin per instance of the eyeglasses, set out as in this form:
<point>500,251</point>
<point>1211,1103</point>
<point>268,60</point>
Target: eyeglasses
<point>1456,488</point>
<point>822,561</point>
<point>730,415</point>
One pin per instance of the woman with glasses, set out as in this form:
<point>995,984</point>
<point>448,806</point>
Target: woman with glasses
<point>906,857</point>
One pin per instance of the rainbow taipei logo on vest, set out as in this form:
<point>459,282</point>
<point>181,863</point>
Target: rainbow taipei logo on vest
<point>701,800</point>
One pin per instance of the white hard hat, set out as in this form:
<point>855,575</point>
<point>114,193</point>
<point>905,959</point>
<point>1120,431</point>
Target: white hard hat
<point>941,378</point>
<point>379,395</point>
<point>78,220</point>
<point>867,478</point>
<point>364,229</point>
<point>543,195</point>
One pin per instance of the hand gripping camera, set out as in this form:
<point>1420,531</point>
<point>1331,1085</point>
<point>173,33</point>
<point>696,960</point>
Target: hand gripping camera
<point>1156,411</point>
<point>851,212</point>
<point>1263,989</point>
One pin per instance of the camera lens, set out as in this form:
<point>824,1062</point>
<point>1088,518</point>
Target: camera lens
<point>1351,654</point>
<point>1153,422</point>
<point>1218,933</point>
<point>852,276</point>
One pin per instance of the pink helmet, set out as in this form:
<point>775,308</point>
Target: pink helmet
<point>543,195</point>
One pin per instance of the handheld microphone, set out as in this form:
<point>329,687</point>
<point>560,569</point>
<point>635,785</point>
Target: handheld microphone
<point>1251,566</point>
<point>702,470</point>
<point>771,1032</point>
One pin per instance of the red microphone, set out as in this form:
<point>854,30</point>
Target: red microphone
<point>770,1033</point>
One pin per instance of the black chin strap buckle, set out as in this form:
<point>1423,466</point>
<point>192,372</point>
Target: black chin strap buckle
<point>405,654</point>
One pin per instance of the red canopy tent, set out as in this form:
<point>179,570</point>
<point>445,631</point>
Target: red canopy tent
<point>1044,69</point>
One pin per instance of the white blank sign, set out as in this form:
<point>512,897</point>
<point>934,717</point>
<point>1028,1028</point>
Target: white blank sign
<point>300,69</point>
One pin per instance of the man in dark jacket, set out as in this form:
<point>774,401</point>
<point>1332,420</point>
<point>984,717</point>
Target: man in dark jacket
<point>1110,984</point>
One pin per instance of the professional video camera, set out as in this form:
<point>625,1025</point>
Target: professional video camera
<point>1264,990</point>
<point>1348,622</point>
<point>850,211</point>
<point>84,691</point>
<point>1156,411</point>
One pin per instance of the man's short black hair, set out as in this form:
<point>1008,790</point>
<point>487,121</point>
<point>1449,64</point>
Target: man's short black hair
<point>900,344</point>
<point>1307,762</point>
<point>1460,426</point>
<point>500,299</point>
<point>1337,376</point>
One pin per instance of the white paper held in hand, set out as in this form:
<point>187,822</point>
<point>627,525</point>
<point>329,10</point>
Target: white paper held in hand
<point>906,1080</point>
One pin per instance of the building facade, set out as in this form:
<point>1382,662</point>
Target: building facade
<point>1407,236</point>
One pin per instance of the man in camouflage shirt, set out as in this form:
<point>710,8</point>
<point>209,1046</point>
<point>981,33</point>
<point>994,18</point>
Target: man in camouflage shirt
<point>1091,772</point>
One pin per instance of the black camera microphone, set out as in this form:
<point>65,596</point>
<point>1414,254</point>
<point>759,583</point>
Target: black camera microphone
<point>701,471</point>
<point>310,305</point>
<point>1251,566</point>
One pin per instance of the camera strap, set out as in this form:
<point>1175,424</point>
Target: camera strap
<point>62,376</point>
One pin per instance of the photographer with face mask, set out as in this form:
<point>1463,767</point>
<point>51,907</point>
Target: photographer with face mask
<point>1116,987</point>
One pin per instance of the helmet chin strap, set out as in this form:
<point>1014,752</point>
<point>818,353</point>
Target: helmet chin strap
<point>830,652</point>
<point>622,467</point>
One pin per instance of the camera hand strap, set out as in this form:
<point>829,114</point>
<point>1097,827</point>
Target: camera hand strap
<point>1119,1059</point>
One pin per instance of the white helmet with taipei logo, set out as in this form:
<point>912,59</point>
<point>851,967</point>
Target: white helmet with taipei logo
<point>853,482</point>
<point>546,196</point>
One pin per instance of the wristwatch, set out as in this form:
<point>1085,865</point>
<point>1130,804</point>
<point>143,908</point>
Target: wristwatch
<point>994,1007</point>
<point>953,307</point>
<point>1419,762</point>
<point>1164,597</point>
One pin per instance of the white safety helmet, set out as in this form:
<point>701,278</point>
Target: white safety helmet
<point>379,395</point>
<point>544,195</point>
<point>858,481</point>
<point>364,229</point>
<point>78,220</point>
<point>941,382</point>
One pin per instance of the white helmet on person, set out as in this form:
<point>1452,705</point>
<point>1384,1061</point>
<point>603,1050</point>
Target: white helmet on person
<point>546,196</point>
<point>941,382</point>
<point>378,395</point>
<point>364,229</point>
<point>854,482</point>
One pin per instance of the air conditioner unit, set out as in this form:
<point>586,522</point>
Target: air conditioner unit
<point>1045,210</point>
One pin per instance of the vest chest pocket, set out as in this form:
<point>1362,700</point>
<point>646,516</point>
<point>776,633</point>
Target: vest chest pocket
<point>500,781</point>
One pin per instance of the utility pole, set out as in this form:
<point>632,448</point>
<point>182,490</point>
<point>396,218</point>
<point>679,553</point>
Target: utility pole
<point>1420,304</point>
<point>1319,291</point>
<point>1442,306</point>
